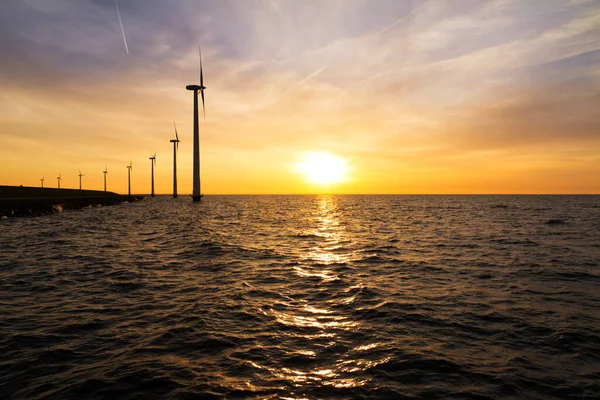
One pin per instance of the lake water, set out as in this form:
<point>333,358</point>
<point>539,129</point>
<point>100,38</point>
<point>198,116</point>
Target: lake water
<point>304,297</point>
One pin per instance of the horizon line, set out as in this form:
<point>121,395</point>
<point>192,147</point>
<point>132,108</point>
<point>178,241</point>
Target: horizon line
<point>324,193</point>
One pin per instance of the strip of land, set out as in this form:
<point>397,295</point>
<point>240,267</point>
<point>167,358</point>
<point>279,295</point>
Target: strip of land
<point>19,201</point>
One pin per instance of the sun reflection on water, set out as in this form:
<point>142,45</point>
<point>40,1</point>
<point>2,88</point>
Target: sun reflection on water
<point>318,318</point>
<point>328,227</point>
<point>324,274</point>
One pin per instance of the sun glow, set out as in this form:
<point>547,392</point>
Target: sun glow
<point>322,168</point>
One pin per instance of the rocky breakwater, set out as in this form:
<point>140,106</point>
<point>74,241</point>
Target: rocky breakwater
<point>20,201</point>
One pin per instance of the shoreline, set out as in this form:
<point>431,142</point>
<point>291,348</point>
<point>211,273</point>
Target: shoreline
<point>24,201</point>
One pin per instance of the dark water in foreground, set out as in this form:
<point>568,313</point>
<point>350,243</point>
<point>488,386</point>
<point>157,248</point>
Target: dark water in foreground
<point>304,297</point>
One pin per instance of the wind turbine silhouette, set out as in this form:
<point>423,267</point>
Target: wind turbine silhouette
<point>129,178</point>
<point>80,175</point>
<point>105,173</point>
<point>197,88</point>
<point>58,178</point>
<point>42,180</point>
<point>175,150</point>
<point>152,163</point>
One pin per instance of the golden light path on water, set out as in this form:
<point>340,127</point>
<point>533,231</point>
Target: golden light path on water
<point>323,319</point>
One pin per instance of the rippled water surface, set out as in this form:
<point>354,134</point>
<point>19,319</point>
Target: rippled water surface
<point>304,297</point>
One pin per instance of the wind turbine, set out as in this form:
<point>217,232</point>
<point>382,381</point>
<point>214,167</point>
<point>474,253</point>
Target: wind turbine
<point>80,175</point>
<point>197,88</point>
<point>105,173</point>
<point>58,178</point>
<point>42,180</point>
<point>129,178</point>
<point>152,163</point>
<point>175,149</point>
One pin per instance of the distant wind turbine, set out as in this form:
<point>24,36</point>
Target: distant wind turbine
<point>105,173</point>
<point>152,163</point>
<point>42,180</point>
<point>196,167</point>
<point>58,178</point>
<point>175,149</point>
<point>129,178</point>
<point>80,175</point>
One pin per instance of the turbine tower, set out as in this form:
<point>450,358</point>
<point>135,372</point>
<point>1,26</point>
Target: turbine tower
<point>80,175</point>
<point>105,173</point>
<point>153,163</point>
<point>197,88</point>
<point>129,178</point>
<point>58,178</point>
<point>175,149</point>
<point>42,180</point>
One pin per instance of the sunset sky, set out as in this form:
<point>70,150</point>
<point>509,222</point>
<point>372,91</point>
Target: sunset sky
<point>414,96</point>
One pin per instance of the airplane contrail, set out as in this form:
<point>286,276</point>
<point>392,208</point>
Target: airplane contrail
<point>317,72</point>
<point>401,19</point>
<point>373,77</point>
<point>121,23</point>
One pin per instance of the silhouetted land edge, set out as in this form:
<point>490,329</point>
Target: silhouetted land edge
<point>19,201</point>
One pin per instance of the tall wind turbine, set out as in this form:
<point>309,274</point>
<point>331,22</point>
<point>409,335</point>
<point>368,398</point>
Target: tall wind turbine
<point>105,173</point>
<point>175,149</point>
<point>129,178</point>
<point>152,163</point>
<point>80,175</point>
<point>58,178</point>
<point>197,88</point>
<point>42,180</point>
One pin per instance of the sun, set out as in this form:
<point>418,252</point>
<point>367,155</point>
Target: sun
<point>323,168</point>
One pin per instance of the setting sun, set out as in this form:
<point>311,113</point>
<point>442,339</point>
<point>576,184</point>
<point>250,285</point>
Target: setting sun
<point>323,168</point>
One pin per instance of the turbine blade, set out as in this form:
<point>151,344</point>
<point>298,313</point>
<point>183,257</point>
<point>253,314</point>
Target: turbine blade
<point>203,109</point>
<point>200,57</point>
<point>176,135</point>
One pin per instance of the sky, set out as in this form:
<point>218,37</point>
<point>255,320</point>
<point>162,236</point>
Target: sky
<point>414,96</point>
